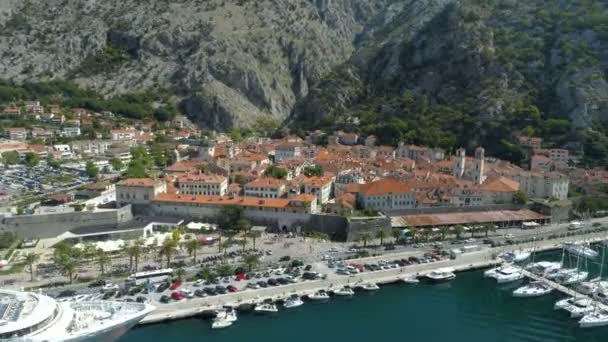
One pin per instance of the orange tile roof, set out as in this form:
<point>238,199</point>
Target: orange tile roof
<point>225,200</point>
<point>500,184</point>
<point>197,178</point>
<point>143,182</point>
<point>385,186</point>
<point>316,181</point>
<point>266,183</point>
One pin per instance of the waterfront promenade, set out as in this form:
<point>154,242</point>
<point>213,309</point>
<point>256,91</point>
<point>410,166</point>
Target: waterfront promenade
<point>480,259</point>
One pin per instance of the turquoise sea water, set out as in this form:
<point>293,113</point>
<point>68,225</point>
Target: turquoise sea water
<point>470,308</point>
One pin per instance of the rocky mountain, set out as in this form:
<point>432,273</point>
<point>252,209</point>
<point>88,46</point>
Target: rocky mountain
<point>476,72</point>
<point>228,62</point>
<point>438,72</point>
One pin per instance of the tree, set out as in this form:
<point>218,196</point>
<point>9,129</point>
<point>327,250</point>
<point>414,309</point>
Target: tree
<point>91,169</point>
<point>254,236</point>
<point>192,247</point>
<point>520,197</point>
<point>30,259</point>
<point>458,230</point>
<point>137,169</point>
<point>180,273</point>
<point>134,251</point>
<point>102,260</point>
<point>10,158</point>
<point>251,261</point>
<point>52,162</point>
<point>365,237</point>
<point>396,234</point>
<point>487,228</point>
<point>381,234</point>
<point>168,249</point>
<point>224,270</point>
<point>315,170</point>
<point>275,172</point>
<point>32,159</point>
<point>68,263</point>
<point>444,231</point>
<point>243,225</point>
<point>413,233</point>
<point>117,164</point>
<point>176,235</point>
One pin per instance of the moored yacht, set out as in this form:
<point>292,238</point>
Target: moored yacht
<point>577,307</point>
<point>265,308</point>
<point>595,318</point>
<point>590,287</point>
<point>505,274</point>
<point>319,295</point>
<point>36,317</point>
<point>573,278</point>
<point>515,256</point>
<point>544,268</point>
<point>370,287</point>
<point>344,291</point>
<point>534,289</point>
<point>410,280</point>
<point>583,250</point>
<point>439,275</point>
<point>293,302</point>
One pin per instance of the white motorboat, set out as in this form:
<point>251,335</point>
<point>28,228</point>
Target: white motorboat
<point>544,268</point>
<point>370,287</point>
<point>515,256</point>
<point>577,307</point>
<point>293,302</point>
<point>590,287</point>
<point>266,308</point>
<point>440,275</point>
<point>534,289</point>
<point>220,324</point>
<point>36,317</point>
<point>319,295</point>
<point>226,314</point>
<point>583,250</point>
<point>560,274</point>
<point>596,318</point>
<point>410,280</point>
<point>601,296</point>
<point>505,274</point>
<point>345,291</point>
<point>573,278</point>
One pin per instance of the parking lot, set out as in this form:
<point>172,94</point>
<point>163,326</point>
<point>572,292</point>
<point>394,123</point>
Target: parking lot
<point>19,179</point>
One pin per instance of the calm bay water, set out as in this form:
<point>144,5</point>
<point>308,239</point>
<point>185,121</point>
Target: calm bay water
<point>470,308</point>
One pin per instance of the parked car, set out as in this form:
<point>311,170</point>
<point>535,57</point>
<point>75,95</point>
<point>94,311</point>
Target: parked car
<point>164,299</point>
<point>97,283</point>
<point>232,288</point>
<point>176,284</point>
<point>140,299</point>
<point>177,296</point>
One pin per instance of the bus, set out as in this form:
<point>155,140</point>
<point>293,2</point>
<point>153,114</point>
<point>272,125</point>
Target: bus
<point>155,276</point>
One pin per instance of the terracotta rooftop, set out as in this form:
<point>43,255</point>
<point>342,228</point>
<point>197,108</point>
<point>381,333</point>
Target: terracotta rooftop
<point>500,184</point>
<point>143,182</point>
<point>384,186</point>
<point>198,178</point>
<point>265,183</point>
<point>466,218</point>
<point>228,200</point>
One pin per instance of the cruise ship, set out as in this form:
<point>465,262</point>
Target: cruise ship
<point>26,316</point>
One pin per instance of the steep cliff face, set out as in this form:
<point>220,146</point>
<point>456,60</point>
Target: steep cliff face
<point>506,66</point>
<point>228,62</point>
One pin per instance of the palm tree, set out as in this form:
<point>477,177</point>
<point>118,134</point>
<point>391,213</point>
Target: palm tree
<point>458,230</point>
<point>251,260</point>
<point>413,233</point>
<point>168,250</point>
<point>134,253</point>
<point>254,236</point>
<point>30,259</point>
<point>224,270</point>
<point>89,250</point>
<point>444,231</point>
<point>68,266</point>
<point>243,226</point>
<point>381,234</point>
<point>225,245</point>
<point>192,246</point>
<point>206,273</point>
<point>396,234</point>
<point>219,242</point>
<point>365,237</point>
<point>180,273</point>
<point>489,228</point>
<point>102,260</point>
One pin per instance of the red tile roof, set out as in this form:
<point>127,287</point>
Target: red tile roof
<point>384,186</point>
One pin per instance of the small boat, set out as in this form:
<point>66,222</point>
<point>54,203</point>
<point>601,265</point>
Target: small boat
<point>583,250</point>
<point>293,302</point>
<point>319,295</point>
<point>410,280</point>
<point>266,308</point>
<point>593,286</point>
<point>573,278</point>
<point>594,319</point>
<point>370,287</point>
<point>544,268</point>
<point>534,289</point>
<point>576,307</point>
<point>505,274</point>
<point>439,275</point>
<point>220,324</point>
<point>515,256</point>
<point>345,291</point>
<point>601,296</point>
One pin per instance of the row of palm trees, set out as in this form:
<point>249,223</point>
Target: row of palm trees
<point>426,234</point>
